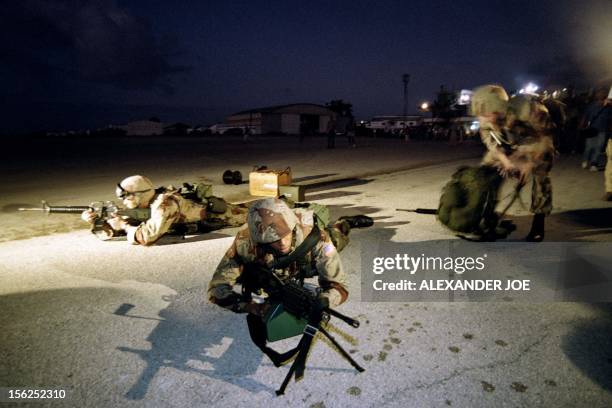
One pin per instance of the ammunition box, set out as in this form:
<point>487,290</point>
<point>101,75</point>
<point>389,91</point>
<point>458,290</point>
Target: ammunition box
<point>265,183</point>
<point>292,192</point>
<point>281,324</point>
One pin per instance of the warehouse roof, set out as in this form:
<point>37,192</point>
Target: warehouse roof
<point>282,108</point>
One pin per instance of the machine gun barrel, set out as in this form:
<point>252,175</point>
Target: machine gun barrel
<point>62,209</point>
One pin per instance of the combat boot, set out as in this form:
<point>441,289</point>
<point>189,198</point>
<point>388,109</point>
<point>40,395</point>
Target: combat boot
<point>537,229</point>
<point>505,228</point>
<point>358,221</point>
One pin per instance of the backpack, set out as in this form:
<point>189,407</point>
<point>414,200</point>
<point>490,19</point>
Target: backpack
<point>468,200</point>
<point>198,192</point>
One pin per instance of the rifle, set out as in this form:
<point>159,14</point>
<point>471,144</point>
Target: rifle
<point>299,302</point>
<point>430,211</point>
<point>105,210</point>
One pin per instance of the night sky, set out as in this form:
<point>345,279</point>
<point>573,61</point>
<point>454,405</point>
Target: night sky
<point>77,64</point>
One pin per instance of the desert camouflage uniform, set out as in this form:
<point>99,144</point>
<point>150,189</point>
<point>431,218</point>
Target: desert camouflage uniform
<point>170,208</point>
<point>529,133</point>
<point>324,257</point>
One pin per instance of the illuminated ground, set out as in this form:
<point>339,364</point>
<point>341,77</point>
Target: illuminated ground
<point>129,326</point>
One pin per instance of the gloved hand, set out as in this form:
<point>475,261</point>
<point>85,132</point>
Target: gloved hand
<point>88,216</point>
<point>257,309</point>
<point>323,302</point>
<point>117,223</point>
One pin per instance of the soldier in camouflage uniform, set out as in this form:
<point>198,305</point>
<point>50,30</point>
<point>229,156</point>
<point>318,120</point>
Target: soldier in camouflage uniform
<point>168,208</point>
<point>517,134</point>
<point>274,230</point>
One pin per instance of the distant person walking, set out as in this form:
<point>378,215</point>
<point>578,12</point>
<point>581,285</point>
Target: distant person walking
<point>331,133</point>
<point>350,133</point>
<point>452,135</point>
<point>597,117</point>
<point>245,134</point>
<point>406,134</point>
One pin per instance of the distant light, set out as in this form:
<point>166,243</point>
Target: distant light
<point>465,96</point>
<point>424,106</point>
<point>475,126</point>
<point>522,90</point>
<point>564,89</point>
<point>531,88</point>
<point>362,122</point>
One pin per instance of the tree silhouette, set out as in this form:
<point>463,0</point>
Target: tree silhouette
<point>340,107</point>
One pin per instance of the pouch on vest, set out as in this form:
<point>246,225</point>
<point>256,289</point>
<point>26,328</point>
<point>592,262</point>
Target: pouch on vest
<point>198,192</point>
<point>321,217</point>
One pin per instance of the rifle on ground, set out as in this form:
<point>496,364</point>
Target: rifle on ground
<point>431,211</point>
<point>292,305</point>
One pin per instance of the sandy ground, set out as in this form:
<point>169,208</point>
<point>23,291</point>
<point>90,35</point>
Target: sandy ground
<point>118,325</point>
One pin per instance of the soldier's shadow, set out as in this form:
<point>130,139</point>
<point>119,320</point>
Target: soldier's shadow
<point>573,225</point>
<point>588,346</point>
<point>197,337</point>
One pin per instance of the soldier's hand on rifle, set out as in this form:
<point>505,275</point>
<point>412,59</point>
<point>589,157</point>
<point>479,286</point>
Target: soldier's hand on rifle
<point>258,309</point>
<point>89,216</point>
<point>323,302</point>
<point>117,223</point>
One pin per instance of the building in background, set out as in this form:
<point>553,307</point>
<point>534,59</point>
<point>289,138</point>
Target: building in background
<point>294,119</point>
<point>145,128</point>
<point>393,123</point>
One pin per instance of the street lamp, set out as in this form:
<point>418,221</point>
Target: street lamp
<point>405,80</point>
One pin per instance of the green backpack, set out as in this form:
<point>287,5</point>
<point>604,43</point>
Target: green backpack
<point>468,200</point>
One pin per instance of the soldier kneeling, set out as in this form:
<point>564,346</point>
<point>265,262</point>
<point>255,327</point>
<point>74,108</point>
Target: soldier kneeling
<point>274,232</point>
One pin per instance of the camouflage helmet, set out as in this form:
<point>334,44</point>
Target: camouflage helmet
<point>489,99</point>
<point>519,107</point>
<point>135,184</point>
<point>270,220</point>
<point>529,110</point>
<point>135,189</point>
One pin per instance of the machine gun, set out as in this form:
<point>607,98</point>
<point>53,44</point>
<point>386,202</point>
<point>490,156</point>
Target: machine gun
<point>105,210</point>
<point>295,309</point>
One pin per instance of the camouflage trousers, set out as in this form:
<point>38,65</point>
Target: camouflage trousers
<point>541,190</point>
<point>338,233</point>
<point>235,215</point>
<point>541,185</point>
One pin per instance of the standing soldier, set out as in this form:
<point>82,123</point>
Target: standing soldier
<point>168,208</point>
<point>331,133</point>
<point>517,135</point>
<point>274,230</point>
<point>350,132</point>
